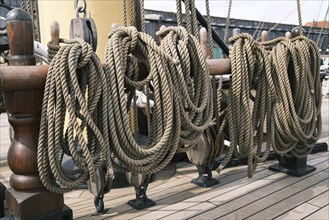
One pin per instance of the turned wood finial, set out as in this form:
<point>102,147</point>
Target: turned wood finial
<point>20,38</point>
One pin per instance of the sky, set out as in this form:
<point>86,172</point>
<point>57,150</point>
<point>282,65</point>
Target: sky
<point>277,11</point>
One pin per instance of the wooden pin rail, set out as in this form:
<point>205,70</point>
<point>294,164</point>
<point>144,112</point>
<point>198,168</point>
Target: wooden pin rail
<point>219,66</point>
<point>22,84</point>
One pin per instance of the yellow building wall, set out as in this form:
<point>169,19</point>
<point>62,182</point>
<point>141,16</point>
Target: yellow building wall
<point>104,13</point>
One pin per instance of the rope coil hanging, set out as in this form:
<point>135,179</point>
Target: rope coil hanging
<point>125,45</point>
<point>74,71</point>
<point>191,81</point>
<point>250,65</point>
<point>297,114</point>
<point>286,112</point>
<point>173,119</point>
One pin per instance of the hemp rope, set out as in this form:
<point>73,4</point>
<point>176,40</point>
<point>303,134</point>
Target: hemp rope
<point>74,70</point>
<point>297,114</point>
<point>124,45</point>
<point>249,63</point>
<point>288,98</point>
<point>209,28</point>
<point>31,7</point>
<point>228,18</point>
<point>179,13</point>
<point>191,81</point>
<point>170,112</point>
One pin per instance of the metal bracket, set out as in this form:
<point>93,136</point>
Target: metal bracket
<point>205,180</point>
<point>140,182</point>
<point>292,166</point>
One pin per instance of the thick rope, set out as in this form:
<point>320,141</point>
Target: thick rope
<point>124,12</point>
<point>143,26</point>
<point>296,76</point>
<point>249,63</point>
<point>121,49</point>
<point>169,114</point>
<point>191,81</point>
<point>209,29</point>
<point>179,13</point>
<point>74,71</point>
<point>228,18</point>
<point>131,13</point>
<point>300,23</point>
<point>286,112</point>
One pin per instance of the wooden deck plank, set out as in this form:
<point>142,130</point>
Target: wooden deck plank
<point>295,200</point>
<point>299,212</point>
<point>167,210</point>
<point>321,214</point>
<point>253,202</point>
<point>321,200</point>
<point>119,205</point>
<point>189,212</point>
<point>176,195</point>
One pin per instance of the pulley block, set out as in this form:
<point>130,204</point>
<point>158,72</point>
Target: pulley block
<point>85,29</point>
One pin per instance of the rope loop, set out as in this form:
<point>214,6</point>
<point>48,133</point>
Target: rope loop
<point>251,69</point>
<point>75,86</point>
<point>245,37</point>
<point>283,76</point>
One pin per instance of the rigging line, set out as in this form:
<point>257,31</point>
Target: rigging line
<point>325,18</point>
<point>324,35</point>
<point>258,31</point>
<point>274,26</point>
<point>257,28</point>
<point>309,31</point>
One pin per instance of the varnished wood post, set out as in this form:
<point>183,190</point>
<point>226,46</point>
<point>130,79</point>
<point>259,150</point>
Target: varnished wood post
<point>23,99</point>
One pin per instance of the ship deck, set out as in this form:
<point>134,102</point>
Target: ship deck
<point>267,195</point>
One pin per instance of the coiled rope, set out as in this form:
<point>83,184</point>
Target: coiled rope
<point>297,114</point>
<point>249,64</point>
<point>172,114</point>
<point>74,70</point>
<point>125,45</point>
<point>191,81</point>
<point>286,112</point>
